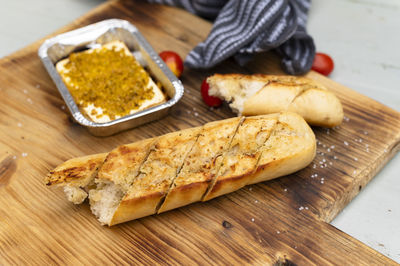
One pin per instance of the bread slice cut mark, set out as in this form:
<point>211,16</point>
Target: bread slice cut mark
<point>279,96</point>
<point>199,167</point>
<point>242,158</point>
<point>76,176</point>
<point>155,175</point>
<point>330,110</point>
<point>290,148</point>
<point>177,173</point>
<point>221,160</point>
<point>116,176</point>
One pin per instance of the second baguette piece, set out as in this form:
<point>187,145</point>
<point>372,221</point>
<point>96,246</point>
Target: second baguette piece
<point>266,94</point>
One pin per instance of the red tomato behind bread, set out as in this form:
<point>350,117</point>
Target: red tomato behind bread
<point>173,61</point>
<point>209,100</point>
<point>323,64</point>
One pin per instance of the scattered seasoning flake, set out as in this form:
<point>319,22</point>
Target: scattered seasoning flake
<point>29,100</point>
<point>346,143</point>
<point>306,208</point>
<point>14,157</point>
<point>333,146</point>
<point>314,166</point>
<point>285,189</point>
<point>301,208</point>
<point>354,172</point>
<point>252,219</point>
<point>367,149</point>
<point>324,160</point>
<point>330,163</point>
<point>196,114</point>
<point>335,157</point>
<point>256,201</point>
<point>328,150</point>
<point>345,118</point>
<point>278,232</point>
<point>385,150</point>
<point>322,181</point>
<point>25,91</point>
<point>62,107</point>
<point>19,124</point>
<point>355,159</point>
<point>37,86</point>
<point>327,131</point>
<point>365,132</point>
<point>323,146</point>
<point>250,188</point>
<point>24,154</point>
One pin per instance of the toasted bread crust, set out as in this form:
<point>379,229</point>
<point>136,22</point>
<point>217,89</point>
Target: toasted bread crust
<point>122,165</point>
<point>77,171</point>
<point>241,160</point>
<point>265,94</point>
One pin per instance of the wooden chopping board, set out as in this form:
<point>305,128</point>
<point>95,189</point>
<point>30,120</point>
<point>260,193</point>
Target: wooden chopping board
<point>279,222</point>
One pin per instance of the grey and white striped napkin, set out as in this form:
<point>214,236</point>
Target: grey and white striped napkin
<point>243,28</point>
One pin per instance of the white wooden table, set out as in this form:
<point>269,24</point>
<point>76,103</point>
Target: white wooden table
<point>362,36</point>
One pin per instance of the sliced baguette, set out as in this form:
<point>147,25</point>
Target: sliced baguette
<point>156,175</point>
<point>201,164</point>
<point>265,94</point>
<point>115,177</point>
<point>241,159</point>
<point>290,148</point>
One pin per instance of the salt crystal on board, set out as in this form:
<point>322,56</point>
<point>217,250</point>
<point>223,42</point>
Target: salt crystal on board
<point>25,91</point>
<point>346,143</point>
<point>19,124</point>
<point>252,219</point>
<point>24,154</point>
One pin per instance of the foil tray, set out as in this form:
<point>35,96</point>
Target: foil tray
<point>94,35</point>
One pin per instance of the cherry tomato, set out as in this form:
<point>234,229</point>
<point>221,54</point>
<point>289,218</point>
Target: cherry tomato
<point>323,64</point>
<point>173,61</point>
<point>209,100</point>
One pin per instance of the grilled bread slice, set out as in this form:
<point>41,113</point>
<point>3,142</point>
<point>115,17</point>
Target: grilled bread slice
<point>156,175</point>
<point>265,94</point>
<point>290,147</point>
<point>115,177</point>
<point>201,164</point>
<point>242,158</point>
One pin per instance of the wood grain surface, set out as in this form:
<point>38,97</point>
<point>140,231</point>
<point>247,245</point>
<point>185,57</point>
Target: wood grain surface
<point>279,222</point>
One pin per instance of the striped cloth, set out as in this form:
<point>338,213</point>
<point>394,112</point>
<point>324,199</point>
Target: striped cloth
<point>243,28</point>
